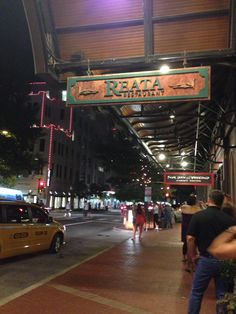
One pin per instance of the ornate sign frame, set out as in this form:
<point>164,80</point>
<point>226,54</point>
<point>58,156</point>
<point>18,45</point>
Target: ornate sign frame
<point>139,87</point>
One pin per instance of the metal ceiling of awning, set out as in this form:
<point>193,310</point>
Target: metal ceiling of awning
<point>183,132</point>
<point>66,43</point>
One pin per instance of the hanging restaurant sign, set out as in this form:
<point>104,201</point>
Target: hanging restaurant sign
<point>189,178</point>
<point>140,87</point>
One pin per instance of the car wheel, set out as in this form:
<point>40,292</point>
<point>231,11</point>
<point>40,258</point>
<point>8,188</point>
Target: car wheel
<point>56,243</point>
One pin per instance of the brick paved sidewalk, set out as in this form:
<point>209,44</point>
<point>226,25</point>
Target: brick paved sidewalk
<point>133,277</point>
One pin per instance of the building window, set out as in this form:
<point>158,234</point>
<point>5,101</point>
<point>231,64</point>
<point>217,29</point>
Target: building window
<point>54,146</point>
<point>62,114</point>
<point>57,171</point>
<point>88,179</point>
<point>52,170</point>
<point>40,169</point>
<point>47,111</point>
<point>100,169</point>
<point>42,145</point>
<point>36,105</point>
<point>31,148</point>
<point>64,95</point>
<point>65,172</point>
<point>74,117</point>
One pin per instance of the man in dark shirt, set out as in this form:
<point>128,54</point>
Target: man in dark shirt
<point>204,227</point>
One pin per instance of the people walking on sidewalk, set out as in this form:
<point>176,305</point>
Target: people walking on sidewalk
<point>204,227</point>
<point>161,216</point>
<point>187,210</point>
<point>149,217</point>
<point>86,208</point>
<point>67,210</point>
<point>168,216</point>
<point>156,216</point>
<point>138,222</point>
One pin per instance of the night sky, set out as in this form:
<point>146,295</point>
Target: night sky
<point>15,52</point>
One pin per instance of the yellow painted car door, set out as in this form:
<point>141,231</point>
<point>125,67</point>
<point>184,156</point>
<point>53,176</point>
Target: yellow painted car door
<point>14,230</point>
<point>40,229</point>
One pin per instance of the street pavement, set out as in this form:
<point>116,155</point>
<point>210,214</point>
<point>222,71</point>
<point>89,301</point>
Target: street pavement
<point>61,213</point>
<point>140,277</point>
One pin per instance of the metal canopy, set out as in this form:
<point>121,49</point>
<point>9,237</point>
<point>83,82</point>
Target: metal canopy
<point>180,131</point>
<point>141,37</point>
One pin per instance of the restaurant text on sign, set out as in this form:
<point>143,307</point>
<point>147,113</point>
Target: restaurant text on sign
<point>143,87</point>
<point>189,178</point>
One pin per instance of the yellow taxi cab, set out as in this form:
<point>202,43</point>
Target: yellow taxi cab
<point>26,228</point>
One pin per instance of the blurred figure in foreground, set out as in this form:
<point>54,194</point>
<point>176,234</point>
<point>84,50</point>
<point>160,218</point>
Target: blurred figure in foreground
<point>224,246</point>
<point>230,209</point>
<point>204,227</point>
<point>228,206</point>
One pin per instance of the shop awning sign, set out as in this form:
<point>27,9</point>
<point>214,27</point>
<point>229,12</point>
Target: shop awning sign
<point>139,87</point>
<point>189,178</point>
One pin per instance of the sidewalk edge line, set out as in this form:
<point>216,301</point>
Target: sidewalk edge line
<point>46,280</point>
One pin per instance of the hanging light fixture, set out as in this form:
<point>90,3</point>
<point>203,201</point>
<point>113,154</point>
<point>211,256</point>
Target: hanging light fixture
<point>161,156</point>
<point>184,163</point>
<point>172,115</point>
<point>164,68</point>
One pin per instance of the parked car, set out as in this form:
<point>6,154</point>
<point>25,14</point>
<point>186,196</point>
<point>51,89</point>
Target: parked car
<point>26,228</point>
